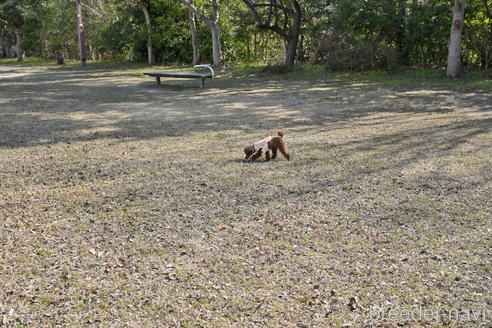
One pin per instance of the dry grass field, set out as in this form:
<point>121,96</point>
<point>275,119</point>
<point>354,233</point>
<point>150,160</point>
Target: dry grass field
<point>125,204</point>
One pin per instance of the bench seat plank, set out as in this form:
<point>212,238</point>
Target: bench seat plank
<point>180,74</point>
<point>201,76</point>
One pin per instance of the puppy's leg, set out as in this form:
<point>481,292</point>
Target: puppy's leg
<point>256,155</point>
<point>274,152</point>
<point>284,151</point>
<point>267,154</point>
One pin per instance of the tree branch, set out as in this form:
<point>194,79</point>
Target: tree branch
<point>93,10</point>
<point>251,7</point>
<point>134,4</point>
<point>274,28</point>
<point>267,24</point>
<point>485,2</point>
<point>197,13</point>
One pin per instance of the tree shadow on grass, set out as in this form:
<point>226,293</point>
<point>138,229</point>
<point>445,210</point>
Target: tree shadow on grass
<point>56,105</point>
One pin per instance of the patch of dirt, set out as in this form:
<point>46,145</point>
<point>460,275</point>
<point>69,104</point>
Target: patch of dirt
<point>127,204</point>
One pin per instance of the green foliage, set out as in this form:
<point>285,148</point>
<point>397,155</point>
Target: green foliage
<point>13,12</point>
<point>243,42</point>
<point>427,32</point>
<point>477,40</point>
<point>354,35</point>
<point>172,37</point>
<point>112,41</point>
<point>370,34</point>
<point>59,26</point>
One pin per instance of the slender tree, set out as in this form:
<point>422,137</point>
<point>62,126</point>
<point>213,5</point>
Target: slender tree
<point>194,37</point>
<point>144,7</point>
<point>13,19</point>
<point>81,34</point>
<point>454,50</point>
<point>3,38</point>
<point>18,44</point>
<point>213,24</point>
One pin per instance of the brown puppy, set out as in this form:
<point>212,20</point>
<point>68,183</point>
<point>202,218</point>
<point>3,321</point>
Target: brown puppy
<point>274,144</point>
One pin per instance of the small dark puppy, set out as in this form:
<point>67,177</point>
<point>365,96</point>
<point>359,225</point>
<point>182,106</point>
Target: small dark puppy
<point>265,145</point>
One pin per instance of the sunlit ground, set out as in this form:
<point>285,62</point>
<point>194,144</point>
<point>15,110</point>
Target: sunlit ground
<point>127,204</point>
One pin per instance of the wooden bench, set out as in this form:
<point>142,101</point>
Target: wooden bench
<point>192,75</point>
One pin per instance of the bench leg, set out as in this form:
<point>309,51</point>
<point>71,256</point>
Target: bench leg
<point>158,80</point>
<point>201,83</point>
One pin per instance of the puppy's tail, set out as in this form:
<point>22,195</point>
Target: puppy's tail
<point>280,133</point>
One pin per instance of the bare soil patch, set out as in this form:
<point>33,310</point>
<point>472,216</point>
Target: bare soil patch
<point>124,204</point>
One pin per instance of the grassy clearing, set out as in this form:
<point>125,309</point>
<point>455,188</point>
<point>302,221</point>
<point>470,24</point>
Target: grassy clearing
<point>405,79</point>
<point>127,204</point>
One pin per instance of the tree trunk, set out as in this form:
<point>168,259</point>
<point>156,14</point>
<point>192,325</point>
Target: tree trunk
<point>81,34</point>
<point>248,49</point>
<point>255,49</point>
<point>265,49</point>
<point>290,54</point>
<point>150,57</point>
<point>92,52</point>
<point>301,56</point>
<point>143,6</point>
<point>487,58</point>
<point>3,44</point>
<point>215,33</point>
<point>400,34</point>
<point>216,44</point>
<point>422,56</point>
<point>59,57</point>
<point>454,50</point>
<point>18,46</point>
<point>194,38</point>
<point>213,24</point>
<point>8,46</point>
<point>275,16</point>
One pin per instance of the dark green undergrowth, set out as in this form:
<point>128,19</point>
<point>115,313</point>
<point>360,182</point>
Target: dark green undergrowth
<point>37,62</point>
<point>90,64</point>
<point>478,81</point>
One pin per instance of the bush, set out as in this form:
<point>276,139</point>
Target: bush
<point>277,69</point>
